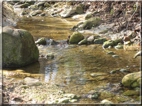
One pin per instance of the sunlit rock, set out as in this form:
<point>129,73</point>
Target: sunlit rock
<point>19,48</point>
<point>132,80</point>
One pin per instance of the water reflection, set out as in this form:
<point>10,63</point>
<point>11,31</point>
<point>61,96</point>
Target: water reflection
<point>50,72</point>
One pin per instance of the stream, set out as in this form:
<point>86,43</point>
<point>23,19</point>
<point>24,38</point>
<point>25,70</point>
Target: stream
<point>76,69</point>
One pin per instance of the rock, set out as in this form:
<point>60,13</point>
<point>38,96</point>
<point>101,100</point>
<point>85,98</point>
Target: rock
<point>124,70</point>
<point>9,17</point>
<point>41,3</point>
<point>110,52</point>
<point>132,80</point>
<point>90,39</point>
<point>115,56</point>
<point>41,41</point>
<point>138,54</point>
<point>19,48</point>
<point>33,7</point>
<point>71,96</point>
<point>100,40</point>
<point>46,4</point>
<point>63,100</point>
<point>36,12</point>
<point>105,101</point>
<point>67,12</point>
<point>25,5</point>
<point>84,41</point>
<point>50,56</point>
<point>108,43</point>
<point>94,95</point>
<point>32,81</point>
<point>75,38</point>
<point>119,46</point>
<point>114,71</point>
<point>131,93</point>
<point>79,9</point>
<point>92,22</point>
<point>90,15</point>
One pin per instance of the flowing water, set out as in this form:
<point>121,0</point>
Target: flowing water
<point>72,65</point>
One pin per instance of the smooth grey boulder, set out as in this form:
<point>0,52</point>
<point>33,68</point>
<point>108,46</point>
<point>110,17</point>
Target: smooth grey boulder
<point>19,48</point>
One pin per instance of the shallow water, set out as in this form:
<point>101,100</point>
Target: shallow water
<point>72,64</point>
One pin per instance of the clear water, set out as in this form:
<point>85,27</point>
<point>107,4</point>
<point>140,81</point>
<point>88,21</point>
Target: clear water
<point>72,64</point>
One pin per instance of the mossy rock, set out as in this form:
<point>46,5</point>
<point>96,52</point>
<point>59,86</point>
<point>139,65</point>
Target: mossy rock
<point>119,46</point>
<point>132,80</point>
<point>131,93</point>
<point>36,12</point>
<point>82,42</point>
<point>100,40</point>
<point>75,38</point>
<point>92,22</point>
<point>25,5</point>
<point>41,41</point>
<point>79,9</point>
<point>88,16</point>
<point>108,43</point>
<point>19,48</point>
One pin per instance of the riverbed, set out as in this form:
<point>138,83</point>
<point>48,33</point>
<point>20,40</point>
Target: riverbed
<point>73,66</point>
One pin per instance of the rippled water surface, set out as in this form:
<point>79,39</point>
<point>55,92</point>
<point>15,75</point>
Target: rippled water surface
<point>72,64</point>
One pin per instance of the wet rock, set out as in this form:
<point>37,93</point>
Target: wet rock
<point>51,42</point>
<point>132,80</point>
<point>72,96</point>
<point>138,54</point>
<point>20,49</point>
<point>41,41</point>
<point>115,56</point>
<point>75,38</point>
<point>111,43</point>
<point>41,3</point>
<point>82,42</point>
<point>46,4</point>
<point>114,71</point>
<point>124,70</point>
<point>25,5</point>
<point>119,46</point>
<point>110,52</point>
<point>36,12</point>
<point>100,40</point>
<point>50,56</point>
<point>90,39</point>
<point>105,101</point>
<point>63,100</point>
<point>94,95</point>
<point>97,74</point>
<point>108,43</point>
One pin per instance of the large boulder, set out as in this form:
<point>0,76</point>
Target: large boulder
<point>75,38</point>
<point>19,48</point>
<point>132,80</point>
